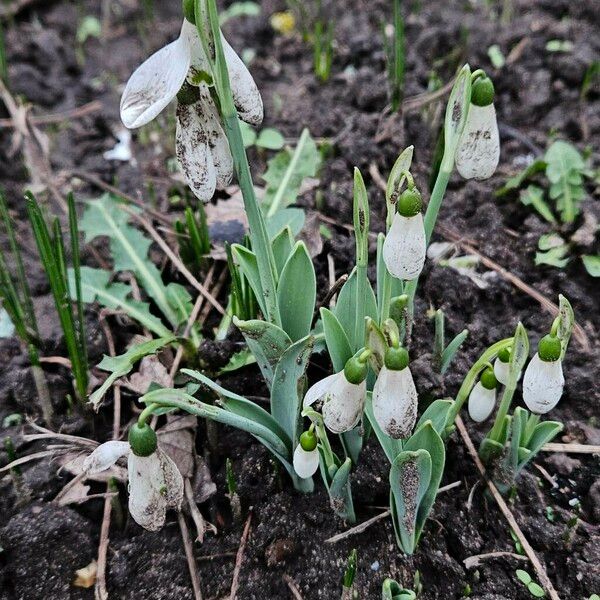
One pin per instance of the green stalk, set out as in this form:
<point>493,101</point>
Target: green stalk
<point>361,228</point>
<point>507,396</point>
<point>470,378</point>
<point>261,245</point>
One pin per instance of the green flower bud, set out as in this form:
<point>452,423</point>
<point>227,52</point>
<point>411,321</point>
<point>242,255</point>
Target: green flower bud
<point>188,10</point>
<point>549,348</point>
<point>482,91</point>
<point>504,355</point>
<point>308,441</point>
<point>355,370</point>
<point>142,439</point>
<point>409,203</point>
<point>396,359</point>
<point>488,379</point>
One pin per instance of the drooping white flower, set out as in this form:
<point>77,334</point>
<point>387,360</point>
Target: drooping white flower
<point>481,402</point>
<point>482,398</point>
<point>306,462</point>
<point>155,483</point>
<point>201,144</point>
<point>405,244</point>
<point>501,369</point>
<point>544,382</point>
<point>343,401</point>
<point>395,402</point>
<point>478,150</point>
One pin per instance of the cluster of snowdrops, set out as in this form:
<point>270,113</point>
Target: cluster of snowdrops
<point>372,388</point>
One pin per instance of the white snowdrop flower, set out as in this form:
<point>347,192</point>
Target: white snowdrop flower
<point>544,381</point>
<point>202,147</point>
<point>306,455</point>
<point>395,396</point>
<point>478,151</point>
<point>502,366</point>
<point>155,483</point>
<point>405,244</point>
<point>482,398</point>
<point>343,395</point>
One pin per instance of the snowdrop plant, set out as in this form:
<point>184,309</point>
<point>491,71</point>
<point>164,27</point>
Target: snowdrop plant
<point>182,70</point>
<point>155,483</point>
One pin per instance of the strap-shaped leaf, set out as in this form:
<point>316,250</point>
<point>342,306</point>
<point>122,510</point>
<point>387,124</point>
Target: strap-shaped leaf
<point>241,406</point>
<point>266,341</point>
<point>542,434</point>
<point>297,293</point>
<point>410,478</point>
<point>427,437</point>
<point>118,366</point>
<point>391,590</point>
<point>518,426</point>
<point>340,494</point>
<point>452,348</point>
<point>248,264</point>
<point>438,412</point>
<point>390,446</point>
<point>345,308</point>
<point>288,386</point>
<point>338,345</point>
<point>282,244</point>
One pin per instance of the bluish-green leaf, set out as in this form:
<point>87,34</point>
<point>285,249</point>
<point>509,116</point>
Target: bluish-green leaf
<point>439,413</point>
<point>287,391</point>
<point>391,446</point>
<point>410,478</point>
<point>340,493</point>
<point>282,244</point>
<point>297,292</point>
<point>266,341</point>
<point>248,265</point>
<point>338,346</point>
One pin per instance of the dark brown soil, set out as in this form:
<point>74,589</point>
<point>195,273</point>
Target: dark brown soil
<point>537,94</point>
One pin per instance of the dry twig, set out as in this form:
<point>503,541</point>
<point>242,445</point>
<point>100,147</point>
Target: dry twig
<point>293,587</point>
<point>189,555</point>
<point>474,561</point>
<point>75,113</point>
<point>239,559</point>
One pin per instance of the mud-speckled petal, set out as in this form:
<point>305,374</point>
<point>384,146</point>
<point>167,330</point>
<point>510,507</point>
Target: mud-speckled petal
<point>147,497</point>
<point>305,463</point>
<point>395,402</point>
<point>481,402</point>
<point>344,405</point>
<point>543,384</point>
<point>193,151</point>
<point>155,83</point>
<point>319,390</point>
<point>217,140</point>
<point>173,480</point>
<point>478,151</point>
<point>405,246</point>
<point>105,456</point>
<point>245,92</point>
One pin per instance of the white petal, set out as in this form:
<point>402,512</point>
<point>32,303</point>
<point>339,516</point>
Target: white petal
<point>344,404</point>
<point>405,246</point>
<point>155,83</point>
<point>173,480</point>
<point>395,402</point>
<point>478,150</point>
<point>543,385</point>
<point>217,140</point>
<point>501,371</point>
<point>305,463</point>
<point>319,390</point>
<point>193,151</point>
<point>105,456</point>
<point>481,402</point>
<point>199,62</point>
<point>147,492</point>
<point>245,93</point>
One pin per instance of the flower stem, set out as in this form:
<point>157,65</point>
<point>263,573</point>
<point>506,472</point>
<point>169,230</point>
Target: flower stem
<point>261,245</point>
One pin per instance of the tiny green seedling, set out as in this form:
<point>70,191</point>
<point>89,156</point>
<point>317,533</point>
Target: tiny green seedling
<point>534,588</point>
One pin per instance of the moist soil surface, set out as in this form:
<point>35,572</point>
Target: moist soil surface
<point>557,499</point>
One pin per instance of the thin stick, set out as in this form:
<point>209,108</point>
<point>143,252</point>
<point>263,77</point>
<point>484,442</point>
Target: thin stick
<point>215,292</point>
<point>293,587</point>
<point>537,565</point>
<point>358,528</point>
<point>75,113</point>
<point>189,555</point>
<point>572,448</point>
<point>239,559</point>
<point>177,262</point>
<point>101,591</point>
